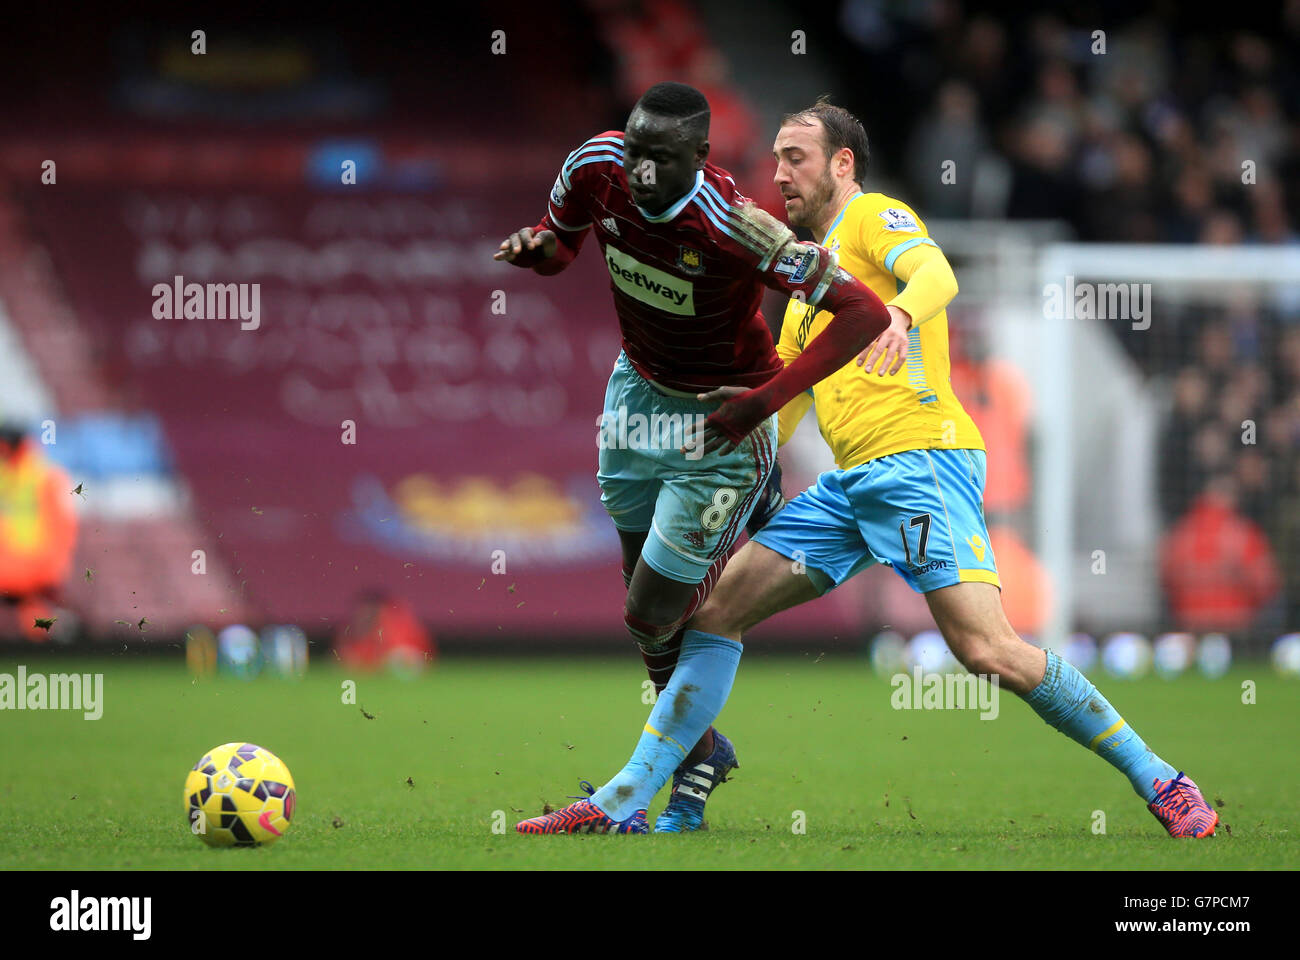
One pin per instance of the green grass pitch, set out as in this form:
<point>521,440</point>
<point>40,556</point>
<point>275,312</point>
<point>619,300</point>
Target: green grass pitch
<point>420,785</point>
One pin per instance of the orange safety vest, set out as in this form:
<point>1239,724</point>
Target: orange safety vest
<point>38,525</point>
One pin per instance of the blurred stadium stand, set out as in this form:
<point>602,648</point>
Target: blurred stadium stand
<point>474,428</point>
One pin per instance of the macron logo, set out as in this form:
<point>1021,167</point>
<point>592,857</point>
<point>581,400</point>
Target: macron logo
<point>660,290</point>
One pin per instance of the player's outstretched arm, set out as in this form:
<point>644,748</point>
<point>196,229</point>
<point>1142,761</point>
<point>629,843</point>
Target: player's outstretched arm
<point>551,245</point>
<point>859,318</point>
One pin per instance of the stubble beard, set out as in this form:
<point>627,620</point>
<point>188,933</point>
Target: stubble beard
<point>814,206</point>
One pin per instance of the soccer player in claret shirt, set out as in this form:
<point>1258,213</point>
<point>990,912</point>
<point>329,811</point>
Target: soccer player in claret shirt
<point>687,257</point>
<point>909,488</point>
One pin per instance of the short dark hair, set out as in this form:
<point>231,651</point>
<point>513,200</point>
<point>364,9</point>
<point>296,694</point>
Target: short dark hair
<point>840,129</point>
<point>678,101</point>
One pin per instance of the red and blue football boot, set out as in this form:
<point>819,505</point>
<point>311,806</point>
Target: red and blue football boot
<point>583,817</point>
<point>1181,808</point>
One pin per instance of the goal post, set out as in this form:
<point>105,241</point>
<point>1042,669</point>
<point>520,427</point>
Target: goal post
<point>1095,461</point>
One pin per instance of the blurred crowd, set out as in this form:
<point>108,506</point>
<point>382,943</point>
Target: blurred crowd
<point>1229,479</point>
<point>1132,127</point>
<point>653,41</point>
<point>1161,129</point>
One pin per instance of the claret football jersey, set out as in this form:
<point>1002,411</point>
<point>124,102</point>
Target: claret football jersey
<point>688,282</point>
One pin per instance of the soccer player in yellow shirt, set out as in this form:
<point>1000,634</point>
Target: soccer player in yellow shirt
<point>908,493</point>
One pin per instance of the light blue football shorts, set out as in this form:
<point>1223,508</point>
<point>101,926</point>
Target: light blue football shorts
<point>694,505</point>
<point>920,512</point>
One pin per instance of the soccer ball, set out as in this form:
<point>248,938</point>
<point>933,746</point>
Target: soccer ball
<point>239,795</point>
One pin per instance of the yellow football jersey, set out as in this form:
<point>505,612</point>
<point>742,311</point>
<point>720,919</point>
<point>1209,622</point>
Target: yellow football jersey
<point>864,416</point>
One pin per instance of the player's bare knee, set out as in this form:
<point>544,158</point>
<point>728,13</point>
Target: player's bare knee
<point>980,661</point>
<point>989,654</point>
<point>973,650</point>
<point>650,608</point>
<point>716,619</point>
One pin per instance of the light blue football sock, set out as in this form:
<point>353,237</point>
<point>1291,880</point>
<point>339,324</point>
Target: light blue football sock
<point>699,687</point>
<point>1070,703</point>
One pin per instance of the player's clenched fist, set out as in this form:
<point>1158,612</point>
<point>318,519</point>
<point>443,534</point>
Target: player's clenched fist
<point>525,239</point>
<point>727,425</point>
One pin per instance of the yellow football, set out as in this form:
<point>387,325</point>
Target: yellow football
<point>239,795</point>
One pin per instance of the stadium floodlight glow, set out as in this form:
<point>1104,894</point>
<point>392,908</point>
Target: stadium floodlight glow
<point>1080,652</point>
<point>1173,653</point>
<point>201,651</point>
<point>930,652</point>
<point>1286,654</point>
<point>1214,656</point>
<point>888,653</point>
<point>238,652</point>
<point>1126,655</point>
<point>284,649</point>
